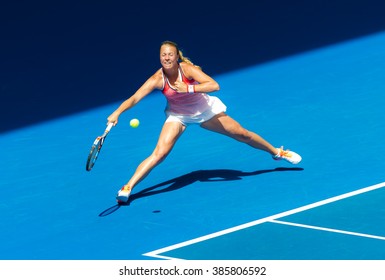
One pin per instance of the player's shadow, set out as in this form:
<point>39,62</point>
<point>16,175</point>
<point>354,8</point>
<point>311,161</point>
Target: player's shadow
<point>214,175</point>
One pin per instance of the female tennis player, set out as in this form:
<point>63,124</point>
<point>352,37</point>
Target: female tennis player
<point>186,89</point>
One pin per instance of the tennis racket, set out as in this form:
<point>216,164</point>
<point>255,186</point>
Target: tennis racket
<point>96,146</point>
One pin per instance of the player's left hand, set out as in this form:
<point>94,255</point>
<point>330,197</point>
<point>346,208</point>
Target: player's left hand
<point>180,87</point>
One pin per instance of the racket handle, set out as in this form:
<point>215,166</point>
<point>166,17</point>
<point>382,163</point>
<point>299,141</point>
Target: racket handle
<point>109,126</point>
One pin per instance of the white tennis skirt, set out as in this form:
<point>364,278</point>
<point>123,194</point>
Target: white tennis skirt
<point>216,107</point>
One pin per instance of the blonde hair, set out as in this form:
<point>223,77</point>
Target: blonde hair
<point>180,53</point>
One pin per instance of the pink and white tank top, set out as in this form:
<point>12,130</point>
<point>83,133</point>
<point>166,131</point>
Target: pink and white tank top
<point>184,103</point>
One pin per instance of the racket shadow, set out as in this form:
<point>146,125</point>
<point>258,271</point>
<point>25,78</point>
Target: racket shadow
<point>177,183</point>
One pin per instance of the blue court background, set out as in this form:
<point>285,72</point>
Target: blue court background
<point>324,102</point>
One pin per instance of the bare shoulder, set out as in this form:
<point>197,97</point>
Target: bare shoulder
<point>156,80</point>
<point>189,70</point>
<point>196,73</point>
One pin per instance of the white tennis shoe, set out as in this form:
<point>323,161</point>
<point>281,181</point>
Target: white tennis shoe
<point>123,194</point>
<point>287,155</point>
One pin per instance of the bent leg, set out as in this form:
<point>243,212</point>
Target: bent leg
<point>170,133</point>
<point>224,124</point>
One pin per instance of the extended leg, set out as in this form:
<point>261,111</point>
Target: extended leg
<point>170,133</point>
<point>224,124</point>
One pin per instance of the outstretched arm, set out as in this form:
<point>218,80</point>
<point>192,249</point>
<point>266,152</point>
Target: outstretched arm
<point>154,82</point>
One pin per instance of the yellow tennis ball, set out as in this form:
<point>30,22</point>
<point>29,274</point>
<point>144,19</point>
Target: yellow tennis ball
<point>134,123</point>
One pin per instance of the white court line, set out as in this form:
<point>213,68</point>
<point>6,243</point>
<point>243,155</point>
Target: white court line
<point>329,229</point>
<point>156,253</point>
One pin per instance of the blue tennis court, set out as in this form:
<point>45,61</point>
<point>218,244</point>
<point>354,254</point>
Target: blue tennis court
<point>213,198</point>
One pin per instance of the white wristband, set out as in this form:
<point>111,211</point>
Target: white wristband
<point>191,89</point>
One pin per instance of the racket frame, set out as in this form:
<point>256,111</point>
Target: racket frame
<point>97,145</point>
